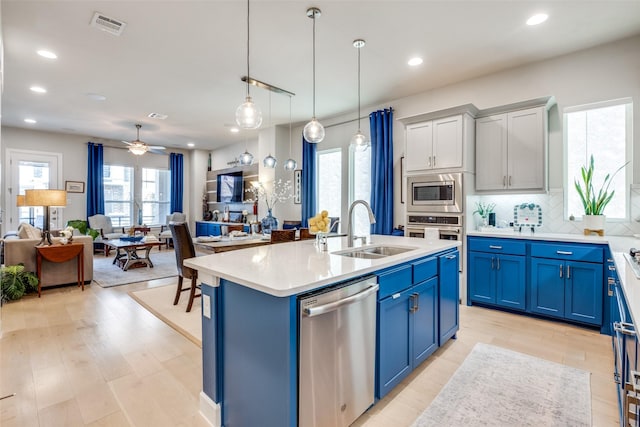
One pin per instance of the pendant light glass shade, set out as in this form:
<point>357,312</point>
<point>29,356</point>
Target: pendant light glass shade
<point>248,115</point>
<point>246,158</point>
<point>359,140</point>
<point>269,161</point>
<point>290,165</point>
<point>314,131</point>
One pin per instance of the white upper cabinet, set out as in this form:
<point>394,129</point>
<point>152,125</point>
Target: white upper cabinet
<point>511,148</point>
<point>442,143</point>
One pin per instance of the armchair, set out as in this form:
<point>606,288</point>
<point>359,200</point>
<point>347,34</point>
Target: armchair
<point>103,224</point>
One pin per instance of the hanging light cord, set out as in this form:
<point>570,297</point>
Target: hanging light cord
<point>359,129</point>
<point>314,64</point>
<point>289,126</point>
<point>248,76</point>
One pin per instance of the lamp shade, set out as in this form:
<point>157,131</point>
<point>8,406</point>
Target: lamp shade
<point>20,200</point>
<point>55,198</point>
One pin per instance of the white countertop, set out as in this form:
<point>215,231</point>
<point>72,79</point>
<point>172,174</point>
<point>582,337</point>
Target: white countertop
<point>286,269</point>
<point>560,237</point>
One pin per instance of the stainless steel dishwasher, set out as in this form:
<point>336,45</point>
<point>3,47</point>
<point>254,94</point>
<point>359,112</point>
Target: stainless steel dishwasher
<point>337,353</point>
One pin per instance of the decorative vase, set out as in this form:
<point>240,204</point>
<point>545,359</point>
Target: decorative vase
<point>269,223</point>
<point>593,223</point>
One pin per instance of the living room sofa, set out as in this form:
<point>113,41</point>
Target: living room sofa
<point>22,250</point>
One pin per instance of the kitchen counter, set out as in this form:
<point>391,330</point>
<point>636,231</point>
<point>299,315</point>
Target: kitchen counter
<point>560,237</point>
<point>288,269</point>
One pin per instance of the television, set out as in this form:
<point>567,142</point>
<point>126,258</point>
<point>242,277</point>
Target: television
<point>229,188</point>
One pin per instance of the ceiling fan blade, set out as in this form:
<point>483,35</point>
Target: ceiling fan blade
<point>157,147</point>
<point>156,151</point>
<point>126,142</point>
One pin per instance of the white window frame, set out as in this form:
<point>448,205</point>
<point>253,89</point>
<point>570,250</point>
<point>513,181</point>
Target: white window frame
<point>627,173</point>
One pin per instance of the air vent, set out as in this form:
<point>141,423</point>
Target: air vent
<point>157,116</point>
<point>110,25</point>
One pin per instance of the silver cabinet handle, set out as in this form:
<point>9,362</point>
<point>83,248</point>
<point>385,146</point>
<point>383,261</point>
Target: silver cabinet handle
<point>450,256</point>
<point>504,181</point>
<point>568,272</point>
<point>332,306</point>
<point>434,161</point>
<point>612,268</point>
<point>509,180</point>
<point>414,302</point>
<point>624,328</point>
<point>498,258</point>
<point>611,281</point>
<point>417,301</point>
<point>495,247</point>
<point>564,253</point>
<point>492,260</point>
<point>429,161</point>
<point>560,270</point>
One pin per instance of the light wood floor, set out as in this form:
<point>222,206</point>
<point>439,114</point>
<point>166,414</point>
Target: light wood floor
<point>97,358</point>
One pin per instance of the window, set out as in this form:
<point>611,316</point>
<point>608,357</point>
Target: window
<point>360,185</point>
<point>118,195</point>
<point>330,181</point>
<point>604,131</point>
<point>156,187</point>
<point>32,175</point>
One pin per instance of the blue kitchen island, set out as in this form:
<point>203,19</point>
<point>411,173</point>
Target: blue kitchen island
<point>251,319</point>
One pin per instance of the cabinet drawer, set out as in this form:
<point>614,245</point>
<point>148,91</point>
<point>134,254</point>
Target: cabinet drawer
<point>503,246</point>
<point>394,280</point>
<point>568,252</point>
<point>424,269</point>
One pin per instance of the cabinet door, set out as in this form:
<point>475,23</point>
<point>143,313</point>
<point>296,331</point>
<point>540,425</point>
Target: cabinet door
<point>447,143</point>
<point>482,277</point>
<point>201,229</point>
<point>526,149</point>
<point>215,230</point>
<point>491,152</point>
<point>419,148</point>
<point>424,320</point>
<point>510,281</point>
<point>394,350</point>
<point>547,286</point>
<point>449,296</point>
<point>583,292</point>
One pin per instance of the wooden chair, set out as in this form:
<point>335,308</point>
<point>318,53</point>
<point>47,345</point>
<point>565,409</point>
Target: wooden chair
<point>281,236</point>
<point>231,228</point>
<point>305,234</point>
<point>184,249</point>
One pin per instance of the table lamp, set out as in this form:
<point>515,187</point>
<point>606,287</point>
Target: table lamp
<point>47,199</point>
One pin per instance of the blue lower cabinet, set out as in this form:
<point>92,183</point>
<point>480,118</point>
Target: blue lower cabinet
<point>394,341</point>
<point>201,229</point>
<point>448,296</point>
<point>482,286</point>
<point>511,282</point>
<point>569,290</point>
<point>424,320</point>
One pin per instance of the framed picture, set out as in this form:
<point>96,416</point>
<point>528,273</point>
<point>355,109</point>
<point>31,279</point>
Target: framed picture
<point>297,185</point>
<point>74,186</point>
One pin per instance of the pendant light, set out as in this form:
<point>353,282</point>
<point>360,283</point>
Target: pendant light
<point>290,164</point>
<point>314,131</point>
<point>359,140</point>
<point>248,114</point>
<point>245,158</point>
<point>269,161</point>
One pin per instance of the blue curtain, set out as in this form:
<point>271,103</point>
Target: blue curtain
<point>176,169</point>
<point>381,123</point>
<point>309,186</point>
<point>95,180</point>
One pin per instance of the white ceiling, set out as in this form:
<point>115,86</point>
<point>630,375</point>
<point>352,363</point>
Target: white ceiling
<point>185,58</point>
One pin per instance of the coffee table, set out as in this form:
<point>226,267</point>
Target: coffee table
<point>127,252</point>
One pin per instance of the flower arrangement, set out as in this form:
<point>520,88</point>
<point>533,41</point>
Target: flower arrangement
<point>282,191</point>
<point>484,209</point>
<point>320,223</point>
<point>67,234</point>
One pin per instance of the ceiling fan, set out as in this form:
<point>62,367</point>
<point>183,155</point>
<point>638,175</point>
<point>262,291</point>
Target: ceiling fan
<point>138,147</point>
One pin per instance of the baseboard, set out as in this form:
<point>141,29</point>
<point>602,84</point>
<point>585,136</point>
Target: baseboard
<point>209,410</point>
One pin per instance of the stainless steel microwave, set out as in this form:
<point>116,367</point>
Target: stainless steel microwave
<point>435,193</point>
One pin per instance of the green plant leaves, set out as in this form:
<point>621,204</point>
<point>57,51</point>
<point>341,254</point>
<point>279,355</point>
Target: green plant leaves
<point>594,205</point>
<point>16,282</point>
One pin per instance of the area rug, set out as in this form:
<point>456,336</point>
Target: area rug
<point>107,274</point>
<point>499,387</point>
<point>159,301</point>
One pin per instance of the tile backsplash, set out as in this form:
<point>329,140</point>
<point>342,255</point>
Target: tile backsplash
<point>552,205</point>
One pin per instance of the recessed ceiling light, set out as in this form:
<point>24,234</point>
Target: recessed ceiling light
<point>234,130</point>
<point>191,144</point>
<point>30,121</point>
<point>96,96</point>
<point>38,89</point>
<point>537,19</point>
<point>47,54</point>
<point>415,61</point>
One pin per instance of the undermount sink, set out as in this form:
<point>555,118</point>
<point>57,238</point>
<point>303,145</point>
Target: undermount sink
<point>374,252</point>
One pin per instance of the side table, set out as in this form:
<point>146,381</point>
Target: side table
<point>60,253</point>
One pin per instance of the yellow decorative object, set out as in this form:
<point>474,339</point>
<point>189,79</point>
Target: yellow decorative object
<point>320,223</point>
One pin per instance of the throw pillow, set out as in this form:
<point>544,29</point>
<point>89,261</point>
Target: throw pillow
<point>28,231</point>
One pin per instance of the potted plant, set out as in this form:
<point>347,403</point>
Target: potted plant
<point>16,282</point>
<point>484,209</point>
<point>594,203</point>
